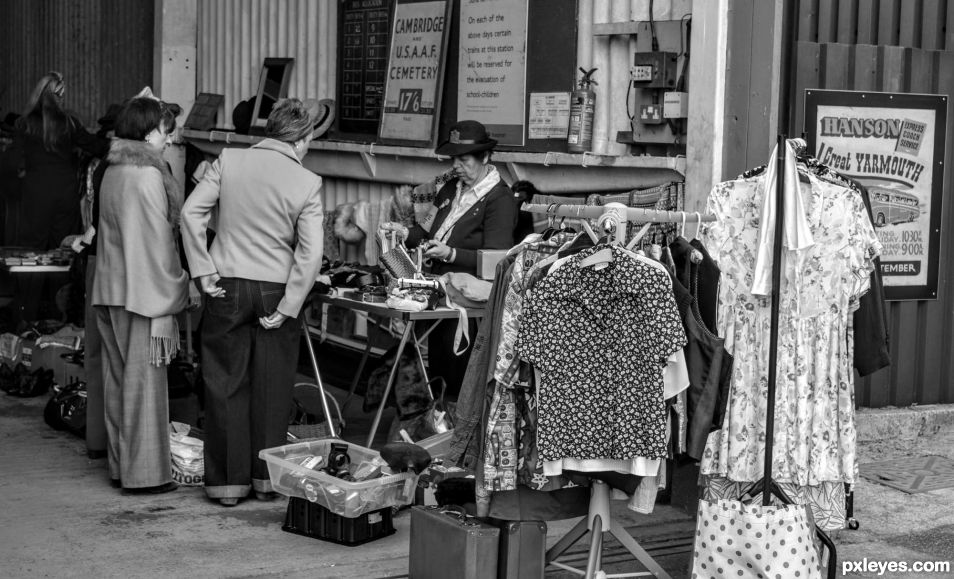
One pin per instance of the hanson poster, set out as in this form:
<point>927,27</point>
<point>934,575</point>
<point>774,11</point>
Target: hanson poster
<point>893,144</point>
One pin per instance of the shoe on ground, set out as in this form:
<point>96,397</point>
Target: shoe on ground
<point>95,454</point>
<point>115,483</point>
<point>265,496</point>
<point>228,501</point>
<point>156,490</point>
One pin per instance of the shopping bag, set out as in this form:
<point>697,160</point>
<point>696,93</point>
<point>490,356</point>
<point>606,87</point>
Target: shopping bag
<point>308,421</point>
<point>186,446</point>
<point>735,539</point>
<point>66,409</point>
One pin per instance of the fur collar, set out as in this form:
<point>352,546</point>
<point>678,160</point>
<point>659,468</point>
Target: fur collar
<point>139,153</point>
<point>142,154</point>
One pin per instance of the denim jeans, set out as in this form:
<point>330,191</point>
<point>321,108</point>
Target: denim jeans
<point>249,375</point>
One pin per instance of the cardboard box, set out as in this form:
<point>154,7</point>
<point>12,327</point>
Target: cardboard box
<point>487,260</point>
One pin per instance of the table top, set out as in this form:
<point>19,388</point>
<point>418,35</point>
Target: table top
<point>382,309</point>
<point>38,268</point>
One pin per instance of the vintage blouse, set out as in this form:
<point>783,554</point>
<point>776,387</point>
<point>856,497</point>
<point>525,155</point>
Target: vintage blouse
<point>600,338</point>
<point>814,406</point>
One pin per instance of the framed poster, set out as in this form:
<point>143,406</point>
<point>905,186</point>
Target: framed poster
<point>415,74</point>
<point>492,68</point>
<point>364,28</point>
<point>894,145</point>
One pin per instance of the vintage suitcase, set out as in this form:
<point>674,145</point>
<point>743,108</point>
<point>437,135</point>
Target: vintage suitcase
<point>523,546</point>
<point>446,542</point>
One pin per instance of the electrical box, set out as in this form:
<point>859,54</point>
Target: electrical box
<point>654,69</point>
<point>651,114</point>
<point>676,105</point>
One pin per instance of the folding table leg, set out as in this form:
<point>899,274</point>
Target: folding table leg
<point>321,387</point>
<point>357,375</point>
<point>408,332</point>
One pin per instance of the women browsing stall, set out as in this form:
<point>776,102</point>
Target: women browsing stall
<point>48,137</point>
<point>138,289</point>
<point>476,210</point>
<point>258,272</point>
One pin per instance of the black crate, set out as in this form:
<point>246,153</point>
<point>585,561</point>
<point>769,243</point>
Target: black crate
<point>315,521</point>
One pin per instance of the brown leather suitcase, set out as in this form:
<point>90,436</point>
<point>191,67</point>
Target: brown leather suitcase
<point>523,546</point>
<point>446,542</point>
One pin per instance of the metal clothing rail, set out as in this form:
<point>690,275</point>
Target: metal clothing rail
<point>632,213</point>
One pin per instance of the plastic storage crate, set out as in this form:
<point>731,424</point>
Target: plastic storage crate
<point>312,520</point>
<point>344,498</point>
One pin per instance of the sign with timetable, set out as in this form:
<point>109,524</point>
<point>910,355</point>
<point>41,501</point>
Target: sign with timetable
<point>363,40</point>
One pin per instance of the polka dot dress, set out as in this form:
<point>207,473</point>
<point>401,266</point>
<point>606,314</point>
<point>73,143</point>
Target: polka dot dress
<point>752,541</point>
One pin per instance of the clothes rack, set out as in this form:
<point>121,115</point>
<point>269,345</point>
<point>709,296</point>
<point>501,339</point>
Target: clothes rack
<point>599,519</point>
<point>766,483</point>
<point>634,214</point>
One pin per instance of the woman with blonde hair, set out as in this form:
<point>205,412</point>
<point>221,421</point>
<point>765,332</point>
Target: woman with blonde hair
<point>261,266</point>
<point>48,138</point>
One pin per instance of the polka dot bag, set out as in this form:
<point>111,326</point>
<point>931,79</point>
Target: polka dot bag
<point>752,541</point>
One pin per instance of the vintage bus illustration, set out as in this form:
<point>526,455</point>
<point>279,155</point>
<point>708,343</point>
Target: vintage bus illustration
<point>892,206</point>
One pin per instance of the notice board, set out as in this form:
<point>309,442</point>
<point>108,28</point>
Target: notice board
<point>551,67</point>
<point>364,29</point>
<point>415,72</point>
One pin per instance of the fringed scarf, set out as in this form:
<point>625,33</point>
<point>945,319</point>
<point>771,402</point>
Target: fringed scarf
<point>164,330</point>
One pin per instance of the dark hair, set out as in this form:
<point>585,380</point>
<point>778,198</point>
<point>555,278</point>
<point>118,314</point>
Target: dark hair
<point>44,118</point>
<point>138,117</point>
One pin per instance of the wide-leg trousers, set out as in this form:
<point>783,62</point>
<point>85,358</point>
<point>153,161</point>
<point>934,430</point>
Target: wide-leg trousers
<point>249,375</point>
<point>136,398</point>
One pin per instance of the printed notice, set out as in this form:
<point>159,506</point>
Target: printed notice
<point>414,70</point>
<point>549,115</point>
<point>892,150</point>
<point>493,67</point>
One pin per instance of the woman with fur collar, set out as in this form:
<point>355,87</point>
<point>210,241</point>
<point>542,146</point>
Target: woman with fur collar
<point>139,287</point>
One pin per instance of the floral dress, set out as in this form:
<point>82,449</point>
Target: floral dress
<point>814,406</point>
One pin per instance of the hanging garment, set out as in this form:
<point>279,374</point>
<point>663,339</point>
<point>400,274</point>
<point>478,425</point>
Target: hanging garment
<point>600,338</point>
<point>814,429</point>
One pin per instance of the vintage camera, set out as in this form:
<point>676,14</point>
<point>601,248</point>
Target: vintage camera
<point>338,461</point>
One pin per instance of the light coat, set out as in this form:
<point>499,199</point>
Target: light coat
<point>269,224</point>
<point>138,265</point>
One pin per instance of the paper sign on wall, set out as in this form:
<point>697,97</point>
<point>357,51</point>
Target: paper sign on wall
<point>493,66</point>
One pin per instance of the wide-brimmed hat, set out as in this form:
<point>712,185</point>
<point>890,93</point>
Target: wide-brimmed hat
<point>322,113</point>
<point>466,137</point>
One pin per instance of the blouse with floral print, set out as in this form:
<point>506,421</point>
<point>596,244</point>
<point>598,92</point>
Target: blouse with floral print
<point>600,339</point>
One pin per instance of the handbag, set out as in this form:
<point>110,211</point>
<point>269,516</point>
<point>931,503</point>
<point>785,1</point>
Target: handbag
<point>395,258</point>
<point>307,420</point>
<point>735,539</point>
<point>409,393</point>
<point>66,409</point>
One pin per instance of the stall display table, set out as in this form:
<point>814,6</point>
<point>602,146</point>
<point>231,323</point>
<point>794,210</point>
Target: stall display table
<point>409,335</point>
<point>30,269</point>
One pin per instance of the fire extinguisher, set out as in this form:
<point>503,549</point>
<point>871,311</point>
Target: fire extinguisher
<point>582,109</point>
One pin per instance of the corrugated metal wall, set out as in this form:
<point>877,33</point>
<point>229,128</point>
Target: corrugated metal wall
<point>927,24</point>
<point>104,48</point>
<point>922,352</point>
<point>235,36</point>
<point>613,56</point>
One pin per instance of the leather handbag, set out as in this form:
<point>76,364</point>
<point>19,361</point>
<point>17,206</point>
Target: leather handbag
<point>447,542</point>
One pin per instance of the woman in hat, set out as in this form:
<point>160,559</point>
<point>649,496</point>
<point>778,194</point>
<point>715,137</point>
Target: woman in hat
<point>138,288</point>
<point>475,210</point>
<point>257,273</point>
